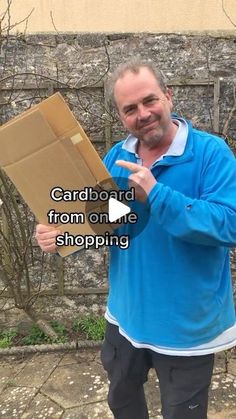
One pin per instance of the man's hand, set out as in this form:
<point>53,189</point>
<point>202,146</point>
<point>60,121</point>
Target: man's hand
<point>46,237</point>
<point>141,179</point>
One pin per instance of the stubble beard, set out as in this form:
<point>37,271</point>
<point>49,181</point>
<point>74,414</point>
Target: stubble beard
<point>153,139</point>
<point>158,138</point>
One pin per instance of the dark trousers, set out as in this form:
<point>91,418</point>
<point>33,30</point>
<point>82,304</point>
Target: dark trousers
<point>184,381</point>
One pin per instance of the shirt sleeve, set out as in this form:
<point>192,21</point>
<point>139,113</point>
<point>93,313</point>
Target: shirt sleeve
<point>209,220</point>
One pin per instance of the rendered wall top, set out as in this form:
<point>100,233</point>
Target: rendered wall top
<point>160,16</point>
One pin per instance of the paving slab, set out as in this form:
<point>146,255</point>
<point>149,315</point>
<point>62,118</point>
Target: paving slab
<point>76,384</point>
<point>222,415</point>
<point>220,363</point>
<point>14,401</point>
<point>91,411</point>
<point>9,368</point>
<point>223,392</point>
<point>232,366</point>
<point>79,356</point>
<point>7,372</point>
<point>42,407</point>
<point>73,385</point>
<point>37,370</point>
<point>152,393</point>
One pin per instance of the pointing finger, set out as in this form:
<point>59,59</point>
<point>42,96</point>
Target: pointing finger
<point>133,167</point>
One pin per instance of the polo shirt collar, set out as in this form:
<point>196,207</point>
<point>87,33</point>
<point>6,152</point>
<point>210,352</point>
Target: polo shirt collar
<point>176,148</point>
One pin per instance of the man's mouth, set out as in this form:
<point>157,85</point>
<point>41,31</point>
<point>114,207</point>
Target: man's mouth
<point>149,126</point>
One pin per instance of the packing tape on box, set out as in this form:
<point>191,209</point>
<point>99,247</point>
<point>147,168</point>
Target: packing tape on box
<point>76,138</point>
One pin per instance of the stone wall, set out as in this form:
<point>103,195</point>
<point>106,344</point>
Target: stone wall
<point>76,65</point>
<point>200,69</point>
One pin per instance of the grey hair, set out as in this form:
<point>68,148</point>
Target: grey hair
<point>134,65</point>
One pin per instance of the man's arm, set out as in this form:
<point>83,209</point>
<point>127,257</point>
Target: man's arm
<point>209,220</point>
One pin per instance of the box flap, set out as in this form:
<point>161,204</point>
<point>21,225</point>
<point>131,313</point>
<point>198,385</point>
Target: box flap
<point>24,136</point>
<point>58,115</point>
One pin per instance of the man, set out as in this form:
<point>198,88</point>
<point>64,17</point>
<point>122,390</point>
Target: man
<point>170,303</point>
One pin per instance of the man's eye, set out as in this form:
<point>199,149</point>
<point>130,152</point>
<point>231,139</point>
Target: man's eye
<point>129,111</point>
<point>151,100</point>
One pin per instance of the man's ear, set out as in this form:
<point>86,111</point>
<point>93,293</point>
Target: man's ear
<point>169,96</point>
<point>169,93</point>
<point>119,116</point>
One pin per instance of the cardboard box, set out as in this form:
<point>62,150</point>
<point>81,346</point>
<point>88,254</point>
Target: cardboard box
<point>46,147</point>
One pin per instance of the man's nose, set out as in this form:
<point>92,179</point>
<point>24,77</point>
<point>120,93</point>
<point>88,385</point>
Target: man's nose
<point>143,113</point>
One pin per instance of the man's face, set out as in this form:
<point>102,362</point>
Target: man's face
<point>144,109</point>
